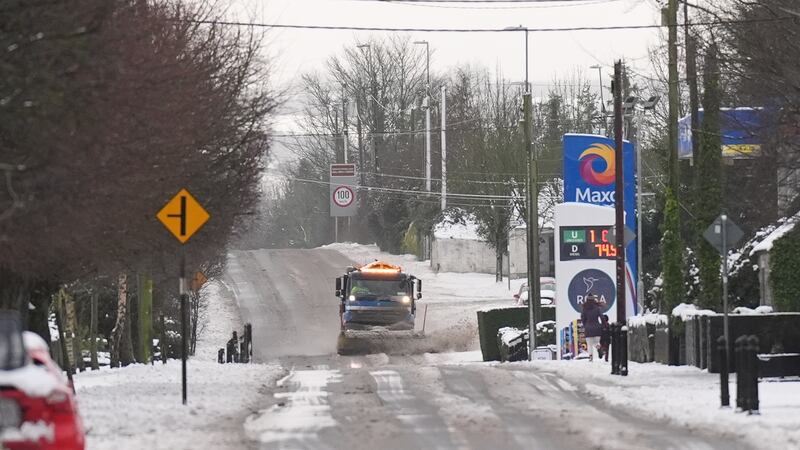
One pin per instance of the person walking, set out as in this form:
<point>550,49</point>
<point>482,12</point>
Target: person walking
<point>605,336</point>
<point>592,328</point>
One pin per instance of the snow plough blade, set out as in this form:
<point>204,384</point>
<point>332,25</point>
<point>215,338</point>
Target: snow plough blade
<point>366,342</point>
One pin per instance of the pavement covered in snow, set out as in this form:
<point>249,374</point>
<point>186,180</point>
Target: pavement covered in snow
<point>690,398</point>
<point>139,406</point>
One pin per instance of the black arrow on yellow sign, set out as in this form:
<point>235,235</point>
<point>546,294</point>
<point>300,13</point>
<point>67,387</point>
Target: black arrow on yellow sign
<point>189,213</point>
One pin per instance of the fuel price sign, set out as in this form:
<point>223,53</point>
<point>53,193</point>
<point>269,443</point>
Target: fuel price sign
<point>587,242</point>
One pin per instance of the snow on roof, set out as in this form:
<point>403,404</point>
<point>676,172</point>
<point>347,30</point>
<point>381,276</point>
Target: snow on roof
<point>769,241</point>
<point>457,226</point>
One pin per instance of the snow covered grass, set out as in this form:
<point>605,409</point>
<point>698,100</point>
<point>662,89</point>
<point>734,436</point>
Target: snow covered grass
<point>690,397</point>
<point>139,406</point>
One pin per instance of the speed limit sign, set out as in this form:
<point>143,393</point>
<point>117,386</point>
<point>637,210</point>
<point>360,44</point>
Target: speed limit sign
<point>343,196</point>
<point>343,184</point>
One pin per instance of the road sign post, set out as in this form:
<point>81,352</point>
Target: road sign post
<point>183,216</point>
<point>723,234</point>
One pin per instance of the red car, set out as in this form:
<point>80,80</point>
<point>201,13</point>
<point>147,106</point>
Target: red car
<point>37,406</point>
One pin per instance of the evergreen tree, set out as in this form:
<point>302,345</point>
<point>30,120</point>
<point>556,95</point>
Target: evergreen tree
<point>708,193</point>
<point>671,255</point>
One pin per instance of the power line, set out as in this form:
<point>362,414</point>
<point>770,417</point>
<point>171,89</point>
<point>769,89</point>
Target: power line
<point>483,6</point>
<point>479,30</point>
<point>410,191</point>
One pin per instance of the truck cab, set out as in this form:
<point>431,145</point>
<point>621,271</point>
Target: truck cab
<point>378,294</point>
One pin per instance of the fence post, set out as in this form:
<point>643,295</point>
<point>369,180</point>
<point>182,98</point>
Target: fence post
<point>722,349</point>
<point>163,340</point>
<point>740,374</point>
<point>752,357</point>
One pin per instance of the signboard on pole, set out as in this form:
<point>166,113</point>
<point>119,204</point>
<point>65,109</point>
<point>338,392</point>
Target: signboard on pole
<point>585,257</point>
<point>589,177</point>
<point>739,132</point>
<point>183,216</point>
<point>343,190</point>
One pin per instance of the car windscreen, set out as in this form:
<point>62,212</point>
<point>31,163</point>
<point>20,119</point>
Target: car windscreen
<point>548,286</point>
<point>378,288</point>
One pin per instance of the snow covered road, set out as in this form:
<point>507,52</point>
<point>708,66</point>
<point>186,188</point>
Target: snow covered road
<point>411,398</point>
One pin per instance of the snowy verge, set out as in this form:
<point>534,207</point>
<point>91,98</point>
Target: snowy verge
<point>689,397</point>
<point>139,406</point>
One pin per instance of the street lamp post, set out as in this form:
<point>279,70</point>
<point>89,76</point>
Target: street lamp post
<point>375,124</point>
<point>427,113</point>
<point>532,216</point>
<point>648,105</point>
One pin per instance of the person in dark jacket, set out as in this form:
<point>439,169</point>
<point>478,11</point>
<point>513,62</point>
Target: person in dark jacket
<point>605,336</point>
<point>592,328</point>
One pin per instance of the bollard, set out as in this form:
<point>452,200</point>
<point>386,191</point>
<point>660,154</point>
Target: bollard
<point>722,349</point>
<point>752,359</point>
<point>740,371</point>
<point>248,334</point>
<point>232,349</point>
<point>615,353</point>
<point>243,347</point>
<point>221,356</point>
<point>623,350</point>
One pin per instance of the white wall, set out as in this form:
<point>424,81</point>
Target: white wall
<point>518,252</point>
<point>462,255</point>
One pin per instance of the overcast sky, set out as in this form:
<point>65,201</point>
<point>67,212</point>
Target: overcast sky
<point>551,53</point>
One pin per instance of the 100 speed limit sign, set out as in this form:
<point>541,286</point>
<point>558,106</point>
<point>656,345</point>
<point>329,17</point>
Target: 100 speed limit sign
<point>343,196</point>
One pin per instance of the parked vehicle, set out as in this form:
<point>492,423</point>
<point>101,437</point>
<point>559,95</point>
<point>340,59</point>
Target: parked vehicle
<point>547,292</point>
<point>37,406</point>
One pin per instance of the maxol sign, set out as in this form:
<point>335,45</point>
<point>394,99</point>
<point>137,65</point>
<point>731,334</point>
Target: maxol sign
<point>589,177</point>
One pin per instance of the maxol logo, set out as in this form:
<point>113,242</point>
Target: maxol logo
<point>597,165</point>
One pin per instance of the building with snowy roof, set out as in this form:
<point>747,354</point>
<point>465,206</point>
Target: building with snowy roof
<point>762,253</point>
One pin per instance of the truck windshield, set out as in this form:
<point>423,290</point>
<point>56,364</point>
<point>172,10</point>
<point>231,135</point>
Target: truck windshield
<point>378,288</point>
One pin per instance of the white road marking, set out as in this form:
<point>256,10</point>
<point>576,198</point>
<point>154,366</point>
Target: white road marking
<point>300,414</point>
<point>432,432</point>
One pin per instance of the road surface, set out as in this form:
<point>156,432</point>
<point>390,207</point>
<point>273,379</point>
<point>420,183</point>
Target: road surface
<point>407,398</point>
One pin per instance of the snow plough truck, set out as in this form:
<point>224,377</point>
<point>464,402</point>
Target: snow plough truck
<point>376,301</point>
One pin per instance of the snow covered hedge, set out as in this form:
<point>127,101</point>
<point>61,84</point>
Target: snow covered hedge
<point>785,271</point>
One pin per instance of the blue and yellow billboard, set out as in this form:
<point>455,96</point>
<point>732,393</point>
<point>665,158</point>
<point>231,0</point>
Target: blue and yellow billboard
<point>738,129</point>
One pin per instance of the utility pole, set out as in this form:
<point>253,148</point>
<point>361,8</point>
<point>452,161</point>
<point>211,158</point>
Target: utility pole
<point>345,140</point>
<point>427,114</point>
<point>532,209</point>
<point>532,227</point>
<point>619,203</point>
<point>602,122</point>
<point>691,80</point>
<point>444,147</point>
<point>674,100</point>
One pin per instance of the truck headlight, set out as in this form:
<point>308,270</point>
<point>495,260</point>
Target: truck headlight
<point>406,299</point>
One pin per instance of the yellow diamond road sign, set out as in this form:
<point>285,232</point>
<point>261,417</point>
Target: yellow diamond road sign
<point>183,216</point>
